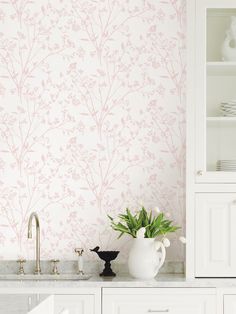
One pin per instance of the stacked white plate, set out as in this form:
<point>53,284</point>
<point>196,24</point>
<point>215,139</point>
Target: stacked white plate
<point>226,165</point>
<point>228,109</point>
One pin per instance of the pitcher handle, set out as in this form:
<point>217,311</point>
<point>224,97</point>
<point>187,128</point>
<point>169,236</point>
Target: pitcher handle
<point>163,255</point>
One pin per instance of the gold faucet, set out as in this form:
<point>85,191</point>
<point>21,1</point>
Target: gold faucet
<point>35,216</point>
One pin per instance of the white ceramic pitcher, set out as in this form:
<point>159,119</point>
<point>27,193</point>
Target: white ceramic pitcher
<point>146,258</point>
<point>229,44</point>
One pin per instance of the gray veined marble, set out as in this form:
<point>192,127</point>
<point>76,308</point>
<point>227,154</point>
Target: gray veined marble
<point>47,277</point>
<point>71,267</point>
<point>75,286</point>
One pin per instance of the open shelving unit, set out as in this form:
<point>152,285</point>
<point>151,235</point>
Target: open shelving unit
<point>211,141</point>
<point>221,119</point>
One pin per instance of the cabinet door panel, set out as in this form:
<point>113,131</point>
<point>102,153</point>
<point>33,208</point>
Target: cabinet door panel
<point>215,250</point>
<point>74,304</point>
<point>229,304</point>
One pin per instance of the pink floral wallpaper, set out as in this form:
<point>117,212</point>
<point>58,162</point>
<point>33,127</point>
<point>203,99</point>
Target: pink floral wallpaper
<point>92,119</point>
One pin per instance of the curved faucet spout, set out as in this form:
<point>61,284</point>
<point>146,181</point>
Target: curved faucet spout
<point>36,218</point>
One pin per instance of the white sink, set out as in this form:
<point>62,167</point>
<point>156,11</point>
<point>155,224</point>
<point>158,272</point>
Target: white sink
<point>44,277</point>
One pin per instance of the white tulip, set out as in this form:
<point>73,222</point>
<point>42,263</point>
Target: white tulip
<point>157,210</point>
<point>166,242</point>
<point>183,240</point>
<point>141,233</point>
<point>116,221</point>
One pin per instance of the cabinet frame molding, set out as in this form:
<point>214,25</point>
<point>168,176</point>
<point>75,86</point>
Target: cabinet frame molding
<point>190,138</point>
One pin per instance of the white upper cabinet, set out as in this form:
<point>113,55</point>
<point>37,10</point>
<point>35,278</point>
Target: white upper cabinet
<point>215,232</point>
<point>215,94</point>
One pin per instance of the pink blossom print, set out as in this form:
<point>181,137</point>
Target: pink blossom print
<point>92,120</point>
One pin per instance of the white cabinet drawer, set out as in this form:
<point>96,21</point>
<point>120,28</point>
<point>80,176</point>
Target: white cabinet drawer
<point>229,304</point>
<point>149,300</point>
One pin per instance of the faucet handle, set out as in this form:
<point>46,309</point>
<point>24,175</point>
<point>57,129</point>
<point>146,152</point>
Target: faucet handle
<point>54,269</point>
<point>79,251</point>
<point>80,262</point>
<point>21,261</point>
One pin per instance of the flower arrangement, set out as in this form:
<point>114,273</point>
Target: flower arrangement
<point>147,254</point>
<point>143,224</point>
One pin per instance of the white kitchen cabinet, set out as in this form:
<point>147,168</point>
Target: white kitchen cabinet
<point>229,304</point>
<point>215,83</point>
<point>74,304</point>
<point>149,300</point>
<point>215,250</point>
<point>211,142</point>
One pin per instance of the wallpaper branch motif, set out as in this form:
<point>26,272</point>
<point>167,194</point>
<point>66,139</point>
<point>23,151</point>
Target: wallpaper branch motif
<point>92,119</point>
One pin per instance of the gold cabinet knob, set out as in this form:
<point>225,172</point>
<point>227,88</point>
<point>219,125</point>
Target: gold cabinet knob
<point>21,261</point>
<point>200,173</point>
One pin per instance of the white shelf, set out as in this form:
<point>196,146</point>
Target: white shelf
<point>221,68</point>
<point>221,119</point>
<point>220,12</point>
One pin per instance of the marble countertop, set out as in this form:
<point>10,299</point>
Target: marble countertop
<point>161,281</point>
<point>21,296</point>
